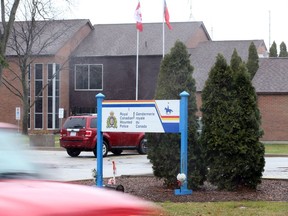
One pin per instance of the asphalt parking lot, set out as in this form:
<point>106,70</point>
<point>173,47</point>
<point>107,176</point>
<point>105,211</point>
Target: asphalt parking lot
<point>57,165</point>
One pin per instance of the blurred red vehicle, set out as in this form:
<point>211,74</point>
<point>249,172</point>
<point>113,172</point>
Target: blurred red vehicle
<point>35,198</point>
<point>7,126</point>
<point>24,192</point>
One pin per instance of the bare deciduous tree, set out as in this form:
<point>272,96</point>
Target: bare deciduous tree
<point>7,21</point>
<point>28,40</point>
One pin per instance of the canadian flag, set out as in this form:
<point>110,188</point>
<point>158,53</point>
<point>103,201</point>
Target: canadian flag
<point>138,18</point>
<point>166,15</point>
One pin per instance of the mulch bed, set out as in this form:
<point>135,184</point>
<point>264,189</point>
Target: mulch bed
<point>152,189</point>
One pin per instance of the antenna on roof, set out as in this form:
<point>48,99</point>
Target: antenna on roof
<point>190,10</point>
<point>269,29</point>
<point>212,32</point>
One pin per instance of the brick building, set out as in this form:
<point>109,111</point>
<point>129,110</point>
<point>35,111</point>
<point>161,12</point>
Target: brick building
<point>271,86</point>
<point>49,55</point>
<point>102,59</point>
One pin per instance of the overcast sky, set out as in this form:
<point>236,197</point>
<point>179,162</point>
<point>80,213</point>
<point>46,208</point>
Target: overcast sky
<point>223,19</point>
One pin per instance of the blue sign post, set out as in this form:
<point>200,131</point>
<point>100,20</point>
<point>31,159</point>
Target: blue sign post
<point>184,137</point>
<point>145,117</point>
<point>99,146</point>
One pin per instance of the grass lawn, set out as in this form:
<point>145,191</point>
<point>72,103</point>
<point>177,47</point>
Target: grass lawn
<point>276,148</point>
<point>226,208</point>
<point>232,208</point>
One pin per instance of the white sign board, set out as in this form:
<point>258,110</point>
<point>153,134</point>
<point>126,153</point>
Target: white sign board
<point>159,116</point>
<point>61,113</point>
<point>18,113</point>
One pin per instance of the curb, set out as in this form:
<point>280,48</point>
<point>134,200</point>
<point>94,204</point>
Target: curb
<point>63,149</point>
<point>276,155</point>
<point>47,148</point>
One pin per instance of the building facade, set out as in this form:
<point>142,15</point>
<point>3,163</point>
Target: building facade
<point>46,72</point>
<point>89,60</point>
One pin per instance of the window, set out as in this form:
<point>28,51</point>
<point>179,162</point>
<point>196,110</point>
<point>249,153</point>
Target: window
<point>38,107</point>
<point>89,77</point>
<point>53,96</point>
<point>93,123</point>
<point>75,123</point>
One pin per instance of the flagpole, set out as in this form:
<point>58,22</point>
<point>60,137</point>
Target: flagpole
<point>139,27</point>
<point>163,30</point>
<point>137,56</point>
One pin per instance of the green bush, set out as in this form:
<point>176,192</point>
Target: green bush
<point>231,131</point>
<point>164,149</point>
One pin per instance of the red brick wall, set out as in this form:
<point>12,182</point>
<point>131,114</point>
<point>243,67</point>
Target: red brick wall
<point>274,112</point>
<point>64,54</point>
<point>8,101</point>
<point>199,103</point>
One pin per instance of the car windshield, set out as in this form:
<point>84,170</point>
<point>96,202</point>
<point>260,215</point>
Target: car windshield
<point>75,123</point>
<point>14,162</point>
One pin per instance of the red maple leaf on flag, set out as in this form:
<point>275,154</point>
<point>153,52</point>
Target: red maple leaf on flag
<point>166,15</point>
<point>138,18</point>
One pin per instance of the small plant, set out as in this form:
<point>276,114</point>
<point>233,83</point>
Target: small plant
<point>94,174</point>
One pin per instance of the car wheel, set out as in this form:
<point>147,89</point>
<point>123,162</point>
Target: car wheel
<point>142,148</point>
<point>73,152</point>
<point>104,150</point>
<point>117,151</point>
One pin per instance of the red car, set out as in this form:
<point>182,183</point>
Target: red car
<point>23,191</point>
<point>41,198</point>
<point>79,134</point>
<point>8,126</point>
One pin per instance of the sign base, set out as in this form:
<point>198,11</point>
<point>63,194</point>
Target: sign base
<point>182,192</point>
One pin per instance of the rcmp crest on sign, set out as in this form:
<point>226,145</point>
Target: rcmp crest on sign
<point>111,121</point>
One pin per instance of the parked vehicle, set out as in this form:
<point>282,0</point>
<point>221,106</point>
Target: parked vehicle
<point>23,191</point>
<point>79,133</point>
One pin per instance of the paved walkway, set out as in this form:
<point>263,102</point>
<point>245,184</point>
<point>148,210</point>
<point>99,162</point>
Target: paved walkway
<point>276,167</point>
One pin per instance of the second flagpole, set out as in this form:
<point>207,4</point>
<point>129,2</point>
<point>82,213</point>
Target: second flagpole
<point>137,56</point>
<point>163,30</point>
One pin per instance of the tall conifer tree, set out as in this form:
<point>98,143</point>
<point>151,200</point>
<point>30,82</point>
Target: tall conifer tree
<point>231,132</point>
<point>283,50</point>
<point>273,50</point>
<point>253,60</point>
<point>248,160</point>
<point>164,149</point>
<point>217,108</point>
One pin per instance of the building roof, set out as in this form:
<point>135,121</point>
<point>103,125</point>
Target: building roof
<point>121,39</point>
<point>51,36</point>
<point>204,55</point>
<point>272,76</point>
